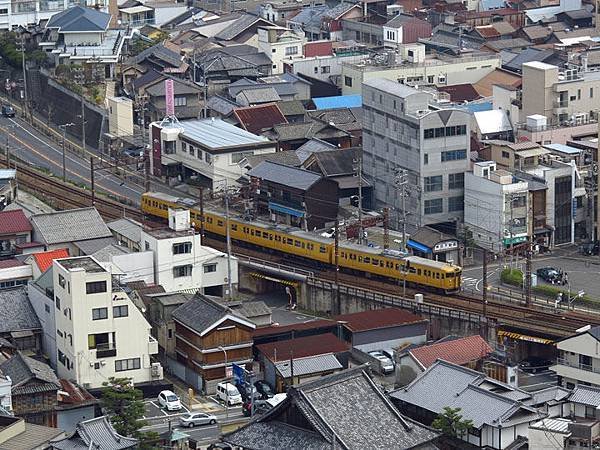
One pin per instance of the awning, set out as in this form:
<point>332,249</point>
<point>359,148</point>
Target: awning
<point>285,209</point>
<point>417,246</point>
<point>579,192</point>
<point>21,334</point>
<point>524,337</point>
<point>276,280</point>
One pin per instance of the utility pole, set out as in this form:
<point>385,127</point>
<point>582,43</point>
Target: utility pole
<point>338,306</point>
<point>201,216</point>
<point>386,228</point>
<point>7,152</point>
<point>92,181</point>
<point>63,127</point>
<point>26,96</point>
<point>400,182</point>
<point>528,273</point>
<point>229,284</point>
<point>485,282</point>
<point>146,170</point>
<point>357,166</point>
<point>83,123</point>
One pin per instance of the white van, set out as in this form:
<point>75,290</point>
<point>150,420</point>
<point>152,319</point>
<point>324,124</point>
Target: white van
<point>227,392</point>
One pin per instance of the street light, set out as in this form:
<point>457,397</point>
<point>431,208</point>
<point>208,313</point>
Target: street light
<point>226,387</point>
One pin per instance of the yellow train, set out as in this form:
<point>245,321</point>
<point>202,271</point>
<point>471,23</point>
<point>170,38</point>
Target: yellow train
<point>388,264</point>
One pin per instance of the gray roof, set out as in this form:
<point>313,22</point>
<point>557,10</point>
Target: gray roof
<point>549,395</point>
<point>502,44</point>
<point>492,121</point>
<point>127,228</point>
<point>285,175</point>
<point>310,15</point>
<point>259,95</point>
<point>180,87</point>
<point>221,105</point>
<point>95,433</point>
<point>78,18</point>
<point>201,312</point>
<point>276,435</point>
<point>286,157</point>
<point>586,395</point>
<point>34,436</point>
<point>251,309</point>
<point>170,299</point>
<point>91,246</point>
<point>238,26</point>
<point>69,226</point>
<point>516,62</point>
<point>291,108</point>
<point>106,254</point>
<point>216,134</point>
<point>313,146</point>
<point>22,370</point>
<point>16,312</point>
<point>338,161</point>
<point>391,87</point>
<point>160,52</point>
<point>402,19</point>
<point>307,366</point>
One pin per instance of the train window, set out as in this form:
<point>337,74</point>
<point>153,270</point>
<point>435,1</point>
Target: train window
<point>375,262</point>
<point>310,246</point>
<point>297,243</point>
<point>322,249</point>
<point>397,266</point>
<point>449,275</point>
<point>412,270</point>
<point>380,263</point>
<point>360,259</point>
<point>367,259</point>
<point>437,275</point>
<point>270,237</point>
<point>418,271</point>
<point>343,254</point>
<point>209,219</point>
<point>303,245</point>
<point>251,232</point>
<point>245,229</point>
<point>265,235</point>
<point>234,227</point>
<point>290,241</point>
<point>277,238</point>
<point>219,223</point>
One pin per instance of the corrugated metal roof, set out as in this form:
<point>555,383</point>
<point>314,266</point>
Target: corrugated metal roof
<point>216,134</point>
<point>563,148</point>
<point>308,365</point>
<point>493,121</point>
<point>459,351</point>
<point>391,87</point>
<point>557,425</point>
<point>378,318</point>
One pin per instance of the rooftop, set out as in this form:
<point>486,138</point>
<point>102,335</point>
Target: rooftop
<point>16,312</point>
<point>285,175</point>
<point>14,222</point>
<point>458,351</point>
<point>86,263</point>
<point>216,134</point>
<point>256,118</point>
<point>308,365</point>
<point>69,225</point>
<point>302,347</point>
<point>339,101</point>
<point>79,19</point>
<point>378,318</point>
<point>95,433</point>
<point>391,87</point>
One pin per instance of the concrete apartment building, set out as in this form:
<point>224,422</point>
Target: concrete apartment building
<point>409,64</point>
<point>578,361</point>
<point>402,130</point>
<point>496,207</point>
<point>99,331</point>
<point>564,96</point>
<point>280,43</point>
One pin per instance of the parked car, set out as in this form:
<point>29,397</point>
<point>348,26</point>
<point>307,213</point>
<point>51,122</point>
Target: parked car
<point>8,111</point>
<point>190,420</point>
<point>169,401</point>
<point>390,353</point>
<point>246,389</point>
<point>534,364</point>
<point>387,366</point>
<point>590,248</point>
<point>227,392</point>
<point>260,406</point>
<point>549,274</point>
<point>133,152</point>
<point>264,389</point>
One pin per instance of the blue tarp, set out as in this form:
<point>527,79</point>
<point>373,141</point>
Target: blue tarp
<point>420,247</point>
<point>339,101</point>
<point>285,210</point>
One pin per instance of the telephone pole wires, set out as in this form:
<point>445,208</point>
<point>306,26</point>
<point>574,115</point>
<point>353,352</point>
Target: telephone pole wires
<point>357,166</point>
<point>400,182</point>
<point>63,127</point>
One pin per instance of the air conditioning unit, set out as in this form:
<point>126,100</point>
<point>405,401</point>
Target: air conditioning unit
<point>156,370</point>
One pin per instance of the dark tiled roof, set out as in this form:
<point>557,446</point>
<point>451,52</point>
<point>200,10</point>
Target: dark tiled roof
<point>149,77</point>
<point>221,105</point>
<point>259,95</point>
<point>429,236</point>
<point>285,175</point>
<point>95,433</point>
<point>276,435</point>
<point>378,318</point>
<point>277,330</point>
<point>255,119</point>
<point>16,312</point>
<point>287,158</point>
<point>158,51</point>
<point>180,87</point>
<point>8,263</point>
<point>337,162</point>
<point>238,26</point>
<point>29,375</point>
<point>14,222</point>
<point>313,146</point>
<point>508,44</point>
<point>460,92</point>
<point>302,347</point>
<point>79,18</point>
<point>292,108</point>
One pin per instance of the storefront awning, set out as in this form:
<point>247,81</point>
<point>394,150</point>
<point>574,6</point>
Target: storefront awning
<point>524,337</point>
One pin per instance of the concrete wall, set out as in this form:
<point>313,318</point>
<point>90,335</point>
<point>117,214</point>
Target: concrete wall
<point>40,301</point>
<point>68,419</point>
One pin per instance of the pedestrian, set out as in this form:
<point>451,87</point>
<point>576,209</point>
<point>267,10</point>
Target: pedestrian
<point>566,279</point>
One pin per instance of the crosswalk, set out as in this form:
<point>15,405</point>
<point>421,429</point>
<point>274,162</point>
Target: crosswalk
<point>468,282</point>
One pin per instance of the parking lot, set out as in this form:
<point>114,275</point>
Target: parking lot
<point>154,411</point>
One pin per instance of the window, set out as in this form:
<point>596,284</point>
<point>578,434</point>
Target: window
<point>99,313</point>
<point>182,247</point>
<point>61,281</point>
<point>192,150</point>
<point>433,206</point>
<point>184,147</point>
<point>47,308</point>
<point>120,311</point>
<point>433,184</point>
<point>347,81</point>
<point>428,133</point>
<point>170,333</point>
<point>591,92</point>
<point>274,50</point>
<point>182,271</point>
<point>237,157</point>
<point>326,69</point>
<point>291,51</point>
<point>316,70</point>
<point>454,155</point>
<point>210,268</point>
<point>456,204</point>
<point>578,94</point>
<point>3,11</point>
<point>505,154</point>
<point>456,181</point>
<point>180,100</point>
<point>127,364</point>
<point>57,302</point>
<point>426,158</point>
<point>208,158</point>
<point>95,287</point>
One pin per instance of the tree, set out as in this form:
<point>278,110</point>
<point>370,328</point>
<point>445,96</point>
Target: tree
<point>451,422</point>
<point>124,406</point>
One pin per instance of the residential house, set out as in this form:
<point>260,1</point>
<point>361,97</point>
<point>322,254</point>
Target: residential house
<point>293,135</point>
<point>497,410</point>
<point>136,14</point>
<point>127,232</point>
<point>75,405</point>
<point>19,324</point>
<point>322,414</point>
<point>186,99</point>
<point>578,358</point>
<point>209,337</point>
<point>42,261</point>
<point>16,433</point>
<point>257,118</point>
<point>80,35</point>
<point>386,328</point>
<point>40,293</point>
<point>14,272</point>
<point>228,64</point>
<point>405,29</point>
<point>95,433</point>
<point>209,149</point>
<point>34,389</point>
<point>280,43</point>
<point>295,196</point>
<point>106,328</point>
<point>514,156</point>
<point>24,15</point>
<point>317,355</point>
<point>8,187</point>
<point>430,243</point>
<point>468,351</point>
<point>493,124</point>
<point>15,229</point>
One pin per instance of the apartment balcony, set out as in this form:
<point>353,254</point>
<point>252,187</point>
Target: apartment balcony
<point>577,371</point>
<point>561,103</point>
<point>106,350</point>
<point>152,346</point>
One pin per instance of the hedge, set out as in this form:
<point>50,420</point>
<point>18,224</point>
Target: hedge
<point>512,276</point>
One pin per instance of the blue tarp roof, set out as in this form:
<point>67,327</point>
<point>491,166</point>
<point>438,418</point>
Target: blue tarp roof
<point>563,148</point>
<point>339,101</point>
<point>477,107</point>
<point>417,246</point>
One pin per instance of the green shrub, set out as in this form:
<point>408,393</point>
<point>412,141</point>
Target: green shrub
<point>512,276</point>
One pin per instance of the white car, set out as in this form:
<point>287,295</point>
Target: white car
<point>190,420</point>
<point>387,366</point>
<point>169,401</point>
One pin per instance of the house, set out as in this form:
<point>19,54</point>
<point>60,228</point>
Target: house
<point>8,187</point>
<point>127,232</point>
<point>317,355</point>
<point>493,124</point>
<point>42,261</point>
<point>257,118</point>
<point>386,328</point>
<point>228,64</point>
<point>497,410</point>
<point>34,389</point>
<point>323,414</point>
<point>14,272</point>
<point>136,14</point>
<point>95,318</point>
<point>578,361</point>
<point>256,312</point>
<point>75,404</point>
<point>68,228</point>
<point>209,337</point>
<point>405,29</point>
<point>186,99</point>
<point>80,35</point>
<point>94,433</point>
<point>429,243</point>
<point>280,43</point>
<point>468,351</point>
<point>294,196</point>
<point>15,229</point>
<point>18,321</point>
<point>15,433</point>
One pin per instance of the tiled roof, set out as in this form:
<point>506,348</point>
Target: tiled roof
<point>78,18</point>
<point>95,433</point>
<point>8,263</point>
<point>308,365</point>
<point>498,76</point>
<point>508,43</point>
<point>91,246</point>
<point>256,118</point>
<point>44,259</point>
<point>313,146</point>
<point>378,318</point>
<point>336,162</point>
<point>586,395</point>
<point>34,436</point>
<point>274,435</point>
<point>16,312</point>
<point>259,95</point>
<point>286,157</point>
<point>459,351</point>
<point>302,347</point>
<point>70,225</point>
<point>14,222</point>
<point>285,175</point>
<point>460,92</point>
<point>22,369</point>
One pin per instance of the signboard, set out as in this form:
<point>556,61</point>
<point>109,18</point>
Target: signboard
<point>228,372</point>
<point>515,240</point>
<point>239,374</point>
<point>170,97</point>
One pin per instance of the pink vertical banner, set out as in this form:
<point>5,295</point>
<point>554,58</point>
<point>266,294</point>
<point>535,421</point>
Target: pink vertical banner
<point>170,97</point>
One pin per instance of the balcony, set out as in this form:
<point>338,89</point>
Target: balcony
<point>574,365</point>
<point>561,103</point>
<point>107,350</point>
<point>152,346</point>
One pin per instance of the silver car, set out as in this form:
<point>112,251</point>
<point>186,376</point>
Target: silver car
<point>192,419</point>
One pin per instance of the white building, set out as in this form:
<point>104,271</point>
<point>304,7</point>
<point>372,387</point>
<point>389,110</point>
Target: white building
<point>99,331</point>
<point>181,262</point>
<point>579,358</point>
<point>30,12</point>
<point>280,43</point>
<point>496,206</point>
